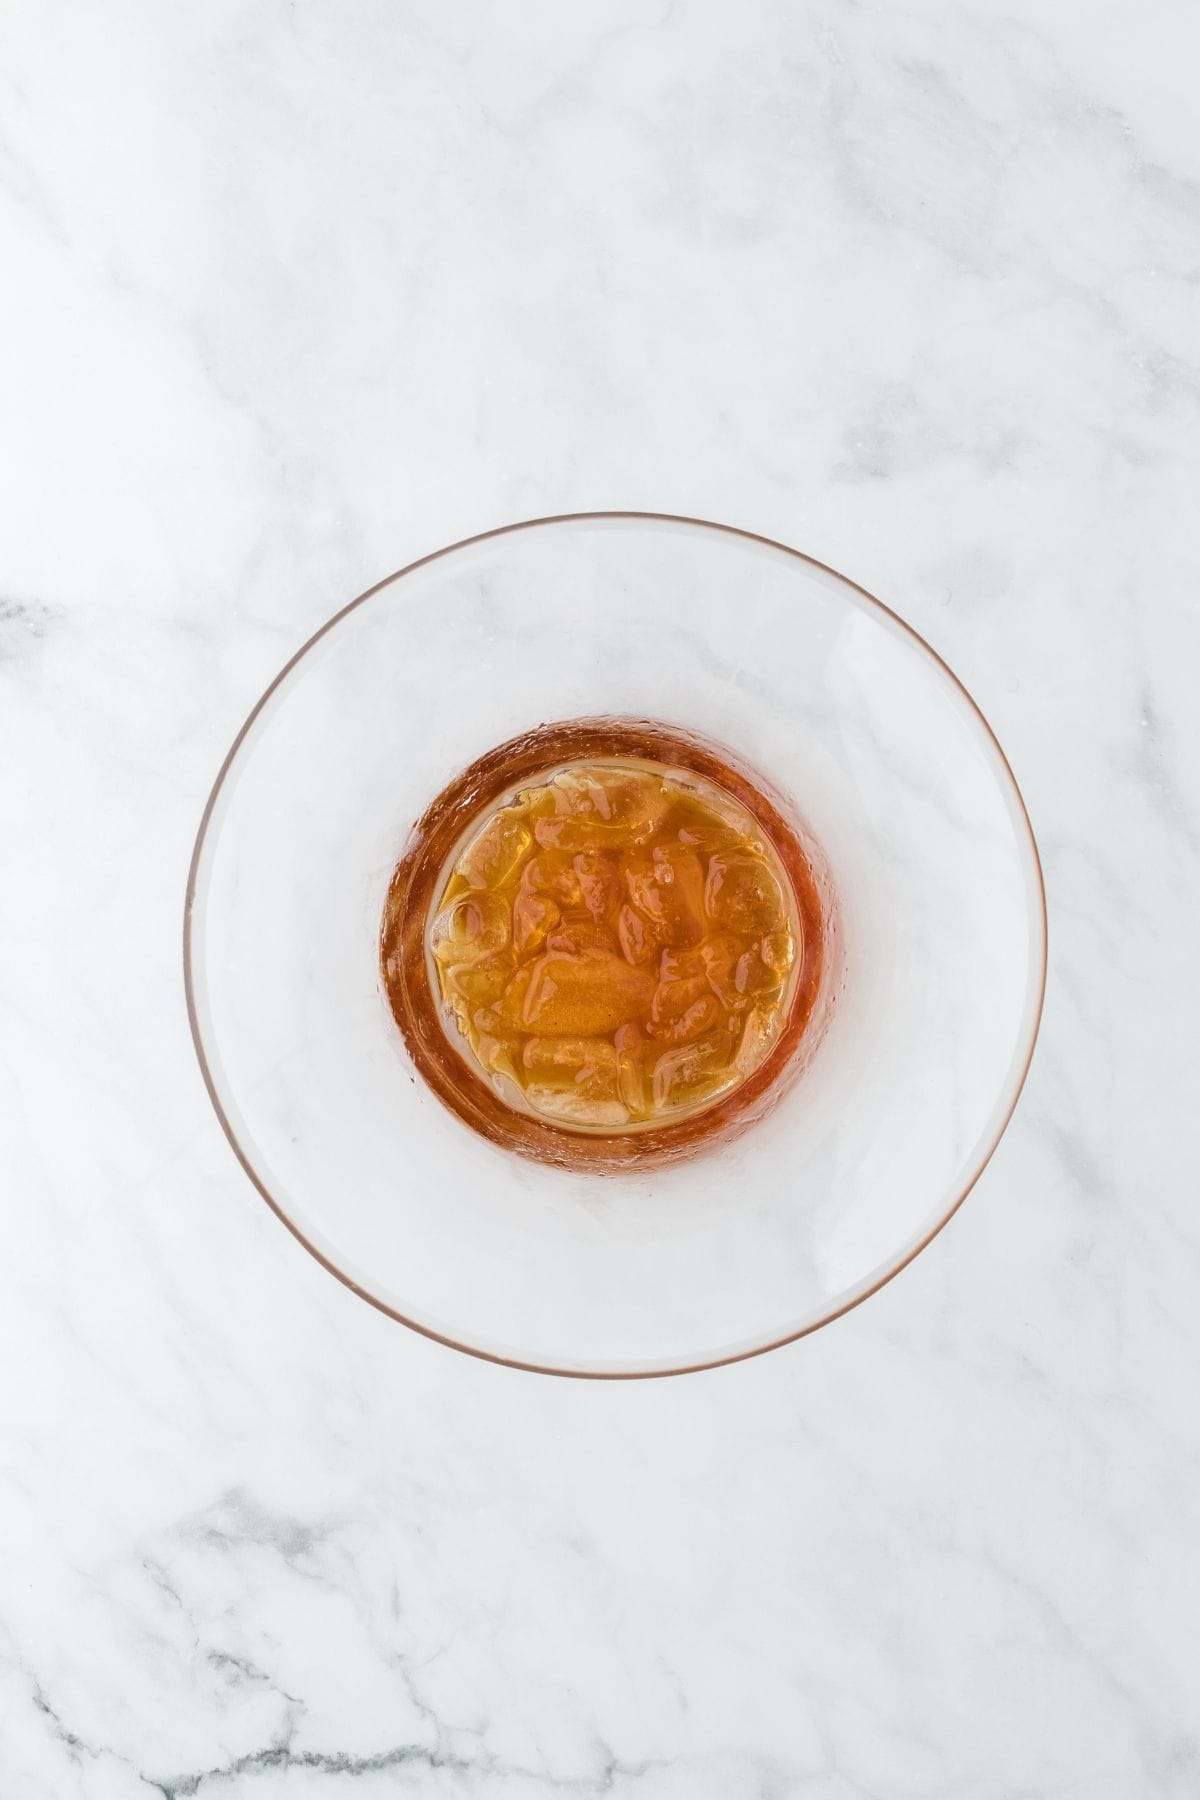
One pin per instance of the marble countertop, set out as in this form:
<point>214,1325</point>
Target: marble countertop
<point>294,294</point>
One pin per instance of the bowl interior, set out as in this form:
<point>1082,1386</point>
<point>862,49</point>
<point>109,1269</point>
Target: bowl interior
<point>940,920</point>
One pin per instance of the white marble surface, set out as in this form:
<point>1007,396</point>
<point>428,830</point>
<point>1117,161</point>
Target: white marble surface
<point>293,293</point>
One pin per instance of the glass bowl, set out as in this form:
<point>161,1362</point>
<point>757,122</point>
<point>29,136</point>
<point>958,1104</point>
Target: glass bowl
<point>939,918</point>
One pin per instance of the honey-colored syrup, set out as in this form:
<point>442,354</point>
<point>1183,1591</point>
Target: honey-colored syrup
<point>611,954</point>
<point>614,945</point>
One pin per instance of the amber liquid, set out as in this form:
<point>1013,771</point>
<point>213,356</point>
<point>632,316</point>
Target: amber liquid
<point>606,954</point>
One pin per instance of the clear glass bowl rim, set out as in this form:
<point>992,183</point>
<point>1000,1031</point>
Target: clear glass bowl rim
<point>1022,1056</point>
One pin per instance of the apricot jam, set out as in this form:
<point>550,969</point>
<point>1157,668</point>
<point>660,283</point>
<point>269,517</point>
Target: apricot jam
<point>603,944</point>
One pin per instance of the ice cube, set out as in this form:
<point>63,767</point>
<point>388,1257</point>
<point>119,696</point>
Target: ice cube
<point>719,826</point>
<point>778,951</point>
<point>575,1109</point>
<point>482,983</point>
<point>599,882</point>
<point>758,1036</point>
<point>533,917</point>
<point>752,976</point>
<point>584,996</point>
<point>683,965</point>
<point>720,953</point>
<point>578,933</point>
<point>499,1055</point>
<point>691,1072</point>
<point>583,1065</point>
<point>631,1051</point>
<point>681,1028</point>
<point>553,875</point>
<point>668,886</point>
<point>493,855</point>
<point>472,927</point>
<point>634,799</point>
<point>601,808</point>
<point>638,938</point>
<point>743,895</point>
<point>510,1013</point>
<point>675,994</point>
